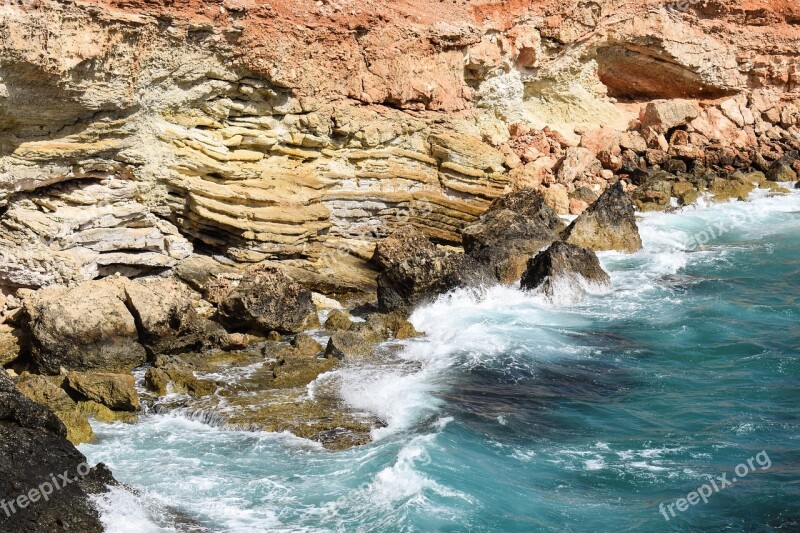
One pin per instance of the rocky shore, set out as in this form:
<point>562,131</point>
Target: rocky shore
<point>192,221</point>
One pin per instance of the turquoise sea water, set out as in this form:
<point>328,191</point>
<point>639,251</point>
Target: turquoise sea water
<point>520,414</point>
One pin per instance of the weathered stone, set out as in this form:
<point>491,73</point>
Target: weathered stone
<point>653,195</point>
<point>337,321</point>
<point>115,391</point>
<point>12,343</point>
<point>306,345</point>
<point>348,345</point>
<point>608,224</point>
<point>85,328</point>
<point>166,321</point>
<point>663,115</point>
<point>727,189</point>
<point>268,300</point>
<point>422,278</point>
<point>781,171</point>
<point>404,242</point>
<point>34,446</point>
<point>564,266</point>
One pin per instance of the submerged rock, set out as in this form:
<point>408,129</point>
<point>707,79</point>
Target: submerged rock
<point>563,265</point>
<point>34,448</point>
<point>268,300</point>
<point>608,224</point>
<point>85,328</point>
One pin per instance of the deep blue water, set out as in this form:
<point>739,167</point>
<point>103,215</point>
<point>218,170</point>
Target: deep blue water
<point>534,415</point>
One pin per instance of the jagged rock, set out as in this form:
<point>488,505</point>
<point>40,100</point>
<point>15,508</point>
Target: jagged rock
<point>166,320</point>
<point>212,279</point>
<point>653,195</point>
<point>101,413</point>
<point>173,372</point>
<point>268,300</point>
<point>12,343</point>
<point>514,227</point>
<point>781,171</point>
<point>115,391</point>
<point>398,326</point>
<point>47,391</point>
<point>563,265</point>
<point>404,242</point>
<point>34,447</point>
<point>727,189</point>
<point>338,321</point>
<point>348,345</point>
<point>84,328</point>
<point>422,278</point>
<point>608,224</point>
<point>663,115</point>
<point>306,345</point>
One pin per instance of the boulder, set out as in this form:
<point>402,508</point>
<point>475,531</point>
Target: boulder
<point>663,115</point>
<point>348,345</point>
<point>115,391</point>
<point>306,345</point>
<point>34,447</point>
<point>608,224</point>
<point>47,391</point>
<point>561,265</point>
<point>268,300</point>
<point>422,278</point>
<point>166,319</point>
<point>514,227</point>
<point>653,195</point>
<point>727,189</point>
<point>404,242</point>
<point>338,321</point>
<point>557,198</point>
<point>181,378</point>
<point>12,343</point>
<point>781,171</point>
<point>84,328</point>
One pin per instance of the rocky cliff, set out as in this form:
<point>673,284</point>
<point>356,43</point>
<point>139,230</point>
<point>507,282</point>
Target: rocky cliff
<point>136,132</point>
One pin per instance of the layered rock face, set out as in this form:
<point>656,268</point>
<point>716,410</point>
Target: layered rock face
<point>136,132</point>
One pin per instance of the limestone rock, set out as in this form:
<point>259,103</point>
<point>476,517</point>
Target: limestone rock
<point>268,300</point>
<point>12,344</point>
<point>404,242</point>
<point>781,171</point>
<point>166,319</point>
<point>663,115</point>
<point>422,278</point>
<point>337,321</point>
<point>653,195</point>
<point>561,267</point>
<point>306,345</point>
<point>348,345</point>
<point>608,224</point>
<point>115,391</point>
<point>84,328</point>
<point>728,189</point>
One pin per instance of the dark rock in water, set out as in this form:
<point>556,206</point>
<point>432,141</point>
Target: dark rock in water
<point>422,278</point>
<point>86,328</point>
<point>36,452</point>
<point>797,185</point>
<point>402,244</point>
<point>514,227</point>
<point>608,224</point>
<point>563,262</point>
<point>268,300</point>
<point>348,345</point>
